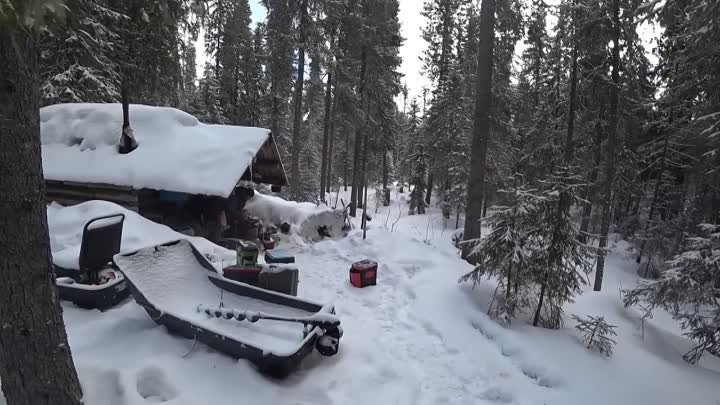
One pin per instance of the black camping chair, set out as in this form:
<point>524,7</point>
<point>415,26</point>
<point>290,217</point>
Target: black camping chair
<point>100,242</point>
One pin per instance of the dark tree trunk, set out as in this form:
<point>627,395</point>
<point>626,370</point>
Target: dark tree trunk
<point>36,366</point>
<point>297,119</point>
<point>346,155</point>
<point>274,114</point>
<point>326,135</point>
<point>354,193</point>
<point>573,93</point>
<point>656,193</point>
<point>587,207</point>
<point>361,186</point>
<point>610,159</point>
<point>430,181</point>
<point>565,202</point>
<point>385,170</point>
<point>481,125</point>
<point>218,55</point>
<point>485,205</point>
<point>331,150</point>
<point>364,184</point>
<point>536,317</point>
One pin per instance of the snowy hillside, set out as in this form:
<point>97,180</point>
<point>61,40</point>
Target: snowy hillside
<point>418,337</point>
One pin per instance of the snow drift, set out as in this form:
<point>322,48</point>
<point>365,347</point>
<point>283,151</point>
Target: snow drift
<point>66,228</point>
<point>305,218</point>
<point>176,152</point>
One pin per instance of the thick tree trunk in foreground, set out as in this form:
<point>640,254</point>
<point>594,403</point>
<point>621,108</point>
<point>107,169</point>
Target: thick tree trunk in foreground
<point>36,367</point>
<point>610,159</point>
<point>481,126</point>
<point>297,118</point>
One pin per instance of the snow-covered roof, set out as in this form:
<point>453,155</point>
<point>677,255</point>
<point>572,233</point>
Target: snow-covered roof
<point>176,152</point>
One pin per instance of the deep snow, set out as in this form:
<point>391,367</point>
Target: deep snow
<point>175,153</point>
<point>418,337</point>
<point>66,225</point>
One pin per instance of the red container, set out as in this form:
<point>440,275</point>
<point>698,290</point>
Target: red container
<point>268,244</point>
<point>363,273</point>
<point>244,274</point>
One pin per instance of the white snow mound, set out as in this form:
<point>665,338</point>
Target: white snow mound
<point>66,228</point>
<point>175,153</point>
<point>304,218</point>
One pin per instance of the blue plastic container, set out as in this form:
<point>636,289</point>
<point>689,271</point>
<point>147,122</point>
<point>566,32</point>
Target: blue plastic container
<point>278,256</point>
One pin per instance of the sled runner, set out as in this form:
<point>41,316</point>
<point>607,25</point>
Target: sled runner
<point>180,289</point>
<point>95,283</point>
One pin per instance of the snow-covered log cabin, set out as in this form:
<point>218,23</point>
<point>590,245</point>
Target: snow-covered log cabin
<point>184,173</point>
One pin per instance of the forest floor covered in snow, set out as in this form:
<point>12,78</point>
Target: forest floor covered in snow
<point>418,337</point>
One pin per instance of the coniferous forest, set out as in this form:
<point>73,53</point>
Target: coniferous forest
<point>553,127</point>
<point>568,114</point>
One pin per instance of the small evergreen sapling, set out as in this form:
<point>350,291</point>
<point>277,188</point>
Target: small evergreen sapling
<point>508,252</point>
<point>563,261</point>
<point>596,333</point>
<point>689,290</point>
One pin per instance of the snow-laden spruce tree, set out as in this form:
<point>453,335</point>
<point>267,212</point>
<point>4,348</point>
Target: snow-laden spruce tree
<point>690,290</point>
<point>510,251</point>
<point>75,63</point>
<point>567,261</point>
<point>534,252</point>
<point>205,103</point>
<point>416,160</point>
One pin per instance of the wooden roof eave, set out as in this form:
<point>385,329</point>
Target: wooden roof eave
<point>267,167</point>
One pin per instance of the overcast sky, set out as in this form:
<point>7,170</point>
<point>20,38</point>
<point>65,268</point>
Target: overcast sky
<point>413,47</point>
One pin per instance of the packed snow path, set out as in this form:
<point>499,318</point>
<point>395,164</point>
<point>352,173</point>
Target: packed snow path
<point>418,337</point>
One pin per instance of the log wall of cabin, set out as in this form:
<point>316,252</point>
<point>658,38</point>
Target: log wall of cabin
<point>72,193</point>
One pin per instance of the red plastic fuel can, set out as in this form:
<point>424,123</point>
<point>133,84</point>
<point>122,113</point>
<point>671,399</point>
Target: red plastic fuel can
<point>363,273</point>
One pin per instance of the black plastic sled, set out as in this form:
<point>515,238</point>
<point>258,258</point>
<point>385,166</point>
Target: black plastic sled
<point>96,283</point>
<point>180,289</point>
